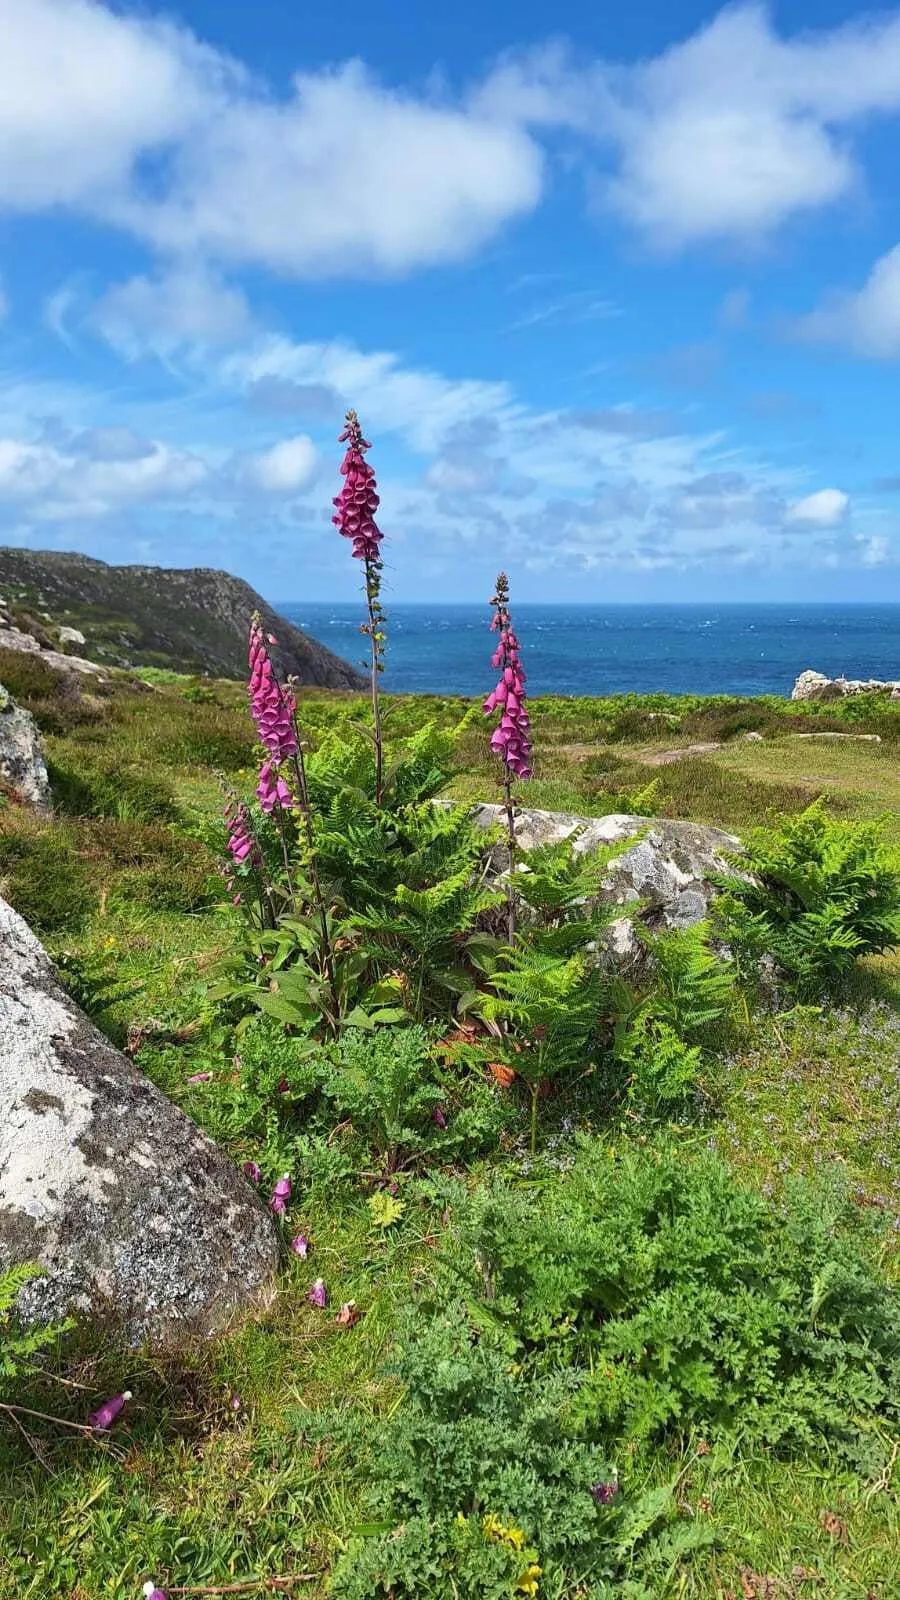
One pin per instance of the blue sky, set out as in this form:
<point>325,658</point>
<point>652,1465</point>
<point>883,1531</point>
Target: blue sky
<point>616,292</point>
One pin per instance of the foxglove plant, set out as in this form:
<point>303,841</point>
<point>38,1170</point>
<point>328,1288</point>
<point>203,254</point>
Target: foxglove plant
<point>511,738</point>
<point>274,711</point>
<point>356,506</point>
<point>245,857</point>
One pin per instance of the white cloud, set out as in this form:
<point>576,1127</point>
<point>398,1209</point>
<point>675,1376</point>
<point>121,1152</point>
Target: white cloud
<point>290,465</point>
<point>867,320</point>
<point>736,129</point>
<point>724,135</point>
<point>420,404</point>
<point>67,481</point>
<point>874,549</point>
<point>823,509</point>
<point>85,93</point>
<point>186,305</point>
<point>137,123</point>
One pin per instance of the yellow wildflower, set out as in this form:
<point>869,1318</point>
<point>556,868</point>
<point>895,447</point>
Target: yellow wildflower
<point>528,1583</point>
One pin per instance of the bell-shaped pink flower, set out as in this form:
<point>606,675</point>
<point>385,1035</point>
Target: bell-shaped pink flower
<point>357,502</point>
<point>281,1194</point>
<point>318,1294</point>
<point>103,1418</point>
<point>300,1245</point>
<point>152,1593</point>
<point>271,704</point>
<point>251,1171</point>
<point>511,738</point>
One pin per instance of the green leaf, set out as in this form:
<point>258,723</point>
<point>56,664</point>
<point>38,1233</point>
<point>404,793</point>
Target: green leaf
<point>385,1209</point>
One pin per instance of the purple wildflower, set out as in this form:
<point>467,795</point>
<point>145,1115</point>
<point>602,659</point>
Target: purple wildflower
<point>251,1171</point>
<point>199,1077</point>
<point>103,1418</point>
<point>604,1493</point>
<point>318,1294</point>
<point>241,843</point>
<point>273,789</point>
<point>271,704</point>
<point>300,1245</point>
<point>438,1117</point>
<point>236,1402</point>
<point>152,1593</point>
<point>281,1194</point>
<point>357,502</point>
<point>511,739</point>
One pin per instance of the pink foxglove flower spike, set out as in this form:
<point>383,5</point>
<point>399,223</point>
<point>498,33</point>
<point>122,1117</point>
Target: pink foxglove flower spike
<point>355,508</point>
<point>300,1245</point>
<point>251,1171</point>
<point>318,1294</point>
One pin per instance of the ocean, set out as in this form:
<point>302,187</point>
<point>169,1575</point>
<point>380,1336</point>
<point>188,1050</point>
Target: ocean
<point>599,650</point>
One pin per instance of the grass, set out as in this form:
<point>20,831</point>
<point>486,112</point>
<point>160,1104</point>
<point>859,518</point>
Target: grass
<point>122,885</point>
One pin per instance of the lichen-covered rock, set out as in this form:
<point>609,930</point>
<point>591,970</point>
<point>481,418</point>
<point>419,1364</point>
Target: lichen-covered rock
<point>669,868</point>
<point>22,766</point>
<point>27,644</point>
<point>132,1214</point>
<point>816,686</point>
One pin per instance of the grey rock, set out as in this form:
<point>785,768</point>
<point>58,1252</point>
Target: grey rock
<point>71,636</point>
<point>134,1217</point>
<point>669,867</point>
<point>22,767</point>
<point>13,639</point>
<point>753,738</point>
<point>816,686</point>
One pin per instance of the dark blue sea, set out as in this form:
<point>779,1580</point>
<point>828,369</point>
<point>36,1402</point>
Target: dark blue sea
<point>598,650</point>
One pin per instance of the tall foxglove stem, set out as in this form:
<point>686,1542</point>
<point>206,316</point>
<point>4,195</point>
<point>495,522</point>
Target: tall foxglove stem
<point>375,630</point>
<point>511,739</point>
<point>322,910</point>
<point>356,506</point>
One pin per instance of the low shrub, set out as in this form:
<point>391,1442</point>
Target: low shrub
<point>815,894</point>
<point>680,1299</point>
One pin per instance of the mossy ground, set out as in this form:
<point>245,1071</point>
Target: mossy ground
<point>123,887</point>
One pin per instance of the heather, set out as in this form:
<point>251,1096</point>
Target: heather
<point>589,1275</point>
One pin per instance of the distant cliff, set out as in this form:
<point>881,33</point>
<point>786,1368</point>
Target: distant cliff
<point>192,619</point>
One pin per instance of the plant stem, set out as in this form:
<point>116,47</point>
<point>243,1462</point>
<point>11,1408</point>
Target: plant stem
<point>306,810</point>
<point>511,844</point>
<point>535,1091</point>
<point>373,585</point>
<point>281,1584</point>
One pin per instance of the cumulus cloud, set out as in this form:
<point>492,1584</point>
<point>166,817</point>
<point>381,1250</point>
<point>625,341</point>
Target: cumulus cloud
<point>866,320</point>
<point>136,122</point>
<point>186,305</point>
<point>290,466</point>
<point>826,508</point>
<point>73,482</point>
<point>731,132</point>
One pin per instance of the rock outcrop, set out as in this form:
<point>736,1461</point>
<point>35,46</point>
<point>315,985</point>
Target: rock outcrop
<point>22,767</point>
<point>192,619</point>
<point>131,1213</point>
<point>816,686</point>
<point>669,867</point>
<point>26,644</point>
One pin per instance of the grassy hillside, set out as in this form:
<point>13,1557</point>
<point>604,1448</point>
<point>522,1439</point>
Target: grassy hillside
<point>255,1457</point>
<point>190,619</point>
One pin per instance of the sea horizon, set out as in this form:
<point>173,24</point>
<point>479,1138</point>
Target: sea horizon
<point>621,646</point>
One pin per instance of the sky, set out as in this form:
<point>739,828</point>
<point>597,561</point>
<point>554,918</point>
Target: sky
<point>614,290</point>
